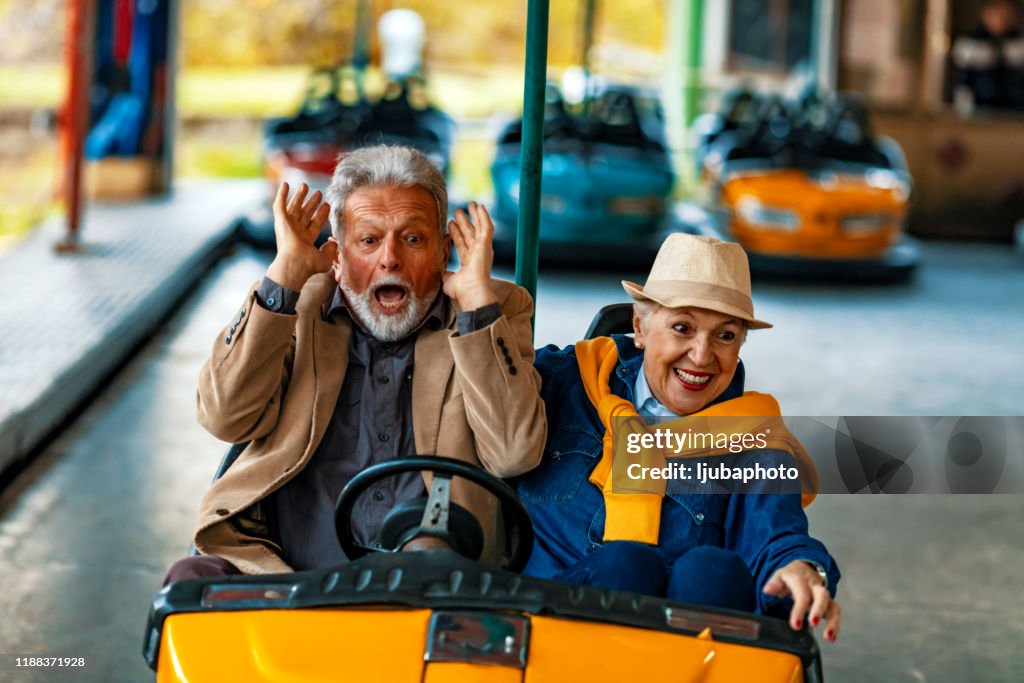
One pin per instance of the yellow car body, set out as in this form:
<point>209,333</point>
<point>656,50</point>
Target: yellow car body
<point>789,212</point>
<point>438,617</point>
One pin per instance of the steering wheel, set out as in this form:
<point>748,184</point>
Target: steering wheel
<point>436,515</point>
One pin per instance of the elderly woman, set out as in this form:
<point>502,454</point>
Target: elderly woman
<point>700,544</point>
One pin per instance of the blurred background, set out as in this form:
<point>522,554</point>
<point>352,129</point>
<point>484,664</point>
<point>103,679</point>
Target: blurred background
<point>238,62</point>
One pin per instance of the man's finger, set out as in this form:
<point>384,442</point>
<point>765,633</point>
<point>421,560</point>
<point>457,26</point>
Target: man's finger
<point>280,199</point>
<point>466,226</point>
<point>485,224</point>
<point>310,207</point>
<point>295,205</point>
<point>319,219</point>
<point>455,231</point>
<point>330,249</point>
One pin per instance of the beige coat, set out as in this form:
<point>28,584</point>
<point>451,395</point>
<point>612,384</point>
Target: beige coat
<point>274,379</point>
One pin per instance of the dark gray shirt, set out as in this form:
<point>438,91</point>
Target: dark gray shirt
<point>371,423</point>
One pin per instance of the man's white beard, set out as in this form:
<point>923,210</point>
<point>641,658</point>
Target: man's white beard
<point>382,326</point>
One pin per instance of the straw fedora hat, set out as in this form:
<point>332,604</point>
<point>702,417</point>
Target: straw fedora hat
<point>691,270</point>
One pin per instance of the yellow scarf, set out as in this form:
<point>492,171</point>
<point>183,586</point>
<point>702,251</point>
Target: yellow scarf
<point>636,516</point>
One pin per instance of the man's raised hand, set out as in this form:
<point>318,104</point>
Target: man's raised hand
<point>470,286</point>
<point>297,223</point>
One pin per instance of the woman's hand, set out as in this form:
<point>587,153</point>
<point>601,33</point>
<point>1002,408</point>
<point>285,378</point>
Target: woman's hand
<point>810,597</point>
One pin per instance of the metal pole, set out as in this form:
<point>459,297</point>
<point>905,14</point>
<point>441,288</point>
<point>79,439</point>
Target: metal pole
<point>76,113</point>
<point>694,14</point>
<point>824,44</point>
<point>587,42</point>
<point>532,148</point>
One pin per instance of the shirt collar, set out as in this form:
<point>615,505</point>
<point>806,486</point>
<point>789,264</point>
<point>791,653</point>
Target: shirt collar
<point>434,319</point>
<point>648,406</point>
<point>644,400</point>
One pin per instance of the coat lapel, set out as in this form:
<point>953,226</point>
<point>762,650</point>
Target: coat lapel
<point>432,368</point>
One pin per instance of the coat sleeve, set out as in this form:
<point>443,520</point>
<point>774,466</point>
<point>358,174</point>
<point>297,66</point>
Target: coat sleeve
<point>501,388</point>
<point>770,530</point>
<point>242,384</point>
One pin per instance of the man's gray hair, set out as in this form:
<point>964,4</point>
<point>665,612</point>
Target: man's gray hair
<point>385,165</point>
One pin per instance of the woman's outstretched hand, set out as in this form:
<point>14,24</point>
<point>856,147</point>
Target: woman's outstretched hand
<point>810,598</point>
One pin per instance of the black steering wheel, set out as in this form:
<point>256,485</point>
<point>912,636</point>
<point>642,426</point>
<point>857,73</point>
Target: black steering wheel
<point>436,515</point>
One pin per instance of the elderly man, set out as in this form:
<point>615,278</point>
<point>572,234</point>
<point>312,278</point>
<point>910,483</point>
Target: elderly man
<point>358,352</point>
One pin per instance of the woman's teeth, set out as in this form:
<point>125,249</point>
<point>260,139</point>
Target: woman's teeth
<point>692,379</point>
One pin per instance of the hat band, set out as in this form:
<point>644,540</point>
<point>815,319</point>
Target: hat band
<point>700,290</point>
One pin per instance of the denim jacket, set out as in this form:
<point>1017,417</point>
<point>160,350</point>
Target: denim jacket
<point>767,530</point>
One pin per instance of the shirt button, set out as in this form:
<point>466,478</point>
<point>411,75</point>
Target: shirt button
<point>378,496</point>
<point>700,516</point>
<point>271,301</point>
<point>512,370</point>
<point>383,437</point>
<point>383,379</point>
<point>227,339</point>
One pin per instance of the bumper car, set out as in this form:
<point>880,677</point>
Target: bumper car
<point>607,177</point>
<point>805,187</point>
<point>337,115</point>
<point>440,615</point>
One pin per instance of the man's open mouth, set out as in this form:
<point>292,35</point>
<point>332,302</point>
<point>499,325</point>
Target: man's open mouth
<point>390,297</point>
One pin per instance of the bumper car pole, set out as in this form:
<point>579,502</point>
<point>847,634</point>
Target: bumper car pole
<point>532,149</point>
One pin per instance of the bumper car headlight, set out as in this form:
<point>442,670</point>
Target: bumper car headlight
<point>759,216</point>
<point>860,223</point>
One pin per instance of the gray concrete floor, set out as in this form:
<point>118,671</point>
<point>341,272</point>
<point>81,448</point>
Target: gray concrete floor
<point>932,588</point>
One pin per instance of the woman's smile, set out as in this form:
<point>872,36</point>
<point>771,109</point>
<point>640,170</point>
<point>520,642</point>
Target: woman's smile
<point>693,380</point>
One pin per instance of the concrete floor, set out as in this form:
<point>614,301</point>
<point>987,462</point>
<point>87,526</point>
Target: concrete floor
<point>931,589</point>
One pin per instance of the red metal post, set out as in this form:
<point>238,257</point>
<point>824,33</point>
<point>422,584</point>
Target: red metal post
<point>78,58</point>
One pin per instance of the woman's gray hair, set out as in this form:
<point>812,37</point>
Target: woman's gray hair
<point>644,309</point>
<point>385,165</point>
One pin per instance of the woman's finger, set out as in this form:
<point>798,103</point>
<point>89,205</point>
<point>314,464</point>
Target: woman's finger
<point>801,600</point>
<point>832,617</point>
<point>776,586</point>
<point>819,604</point>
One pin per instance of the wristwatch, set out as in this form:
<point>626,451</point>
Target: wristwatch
<point>821,572</point>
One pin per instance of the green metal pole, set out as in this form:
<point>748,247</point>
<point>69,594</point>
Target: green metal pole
<point>532,148</point>
<point>692,56</point>
<point>587,42</point>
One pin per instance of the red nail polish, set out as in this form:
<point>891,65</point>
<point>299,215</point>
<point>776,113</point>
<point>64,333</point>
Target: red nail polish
<point>814,621</point>
<point>799,623</point>
<point>831,635</point>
